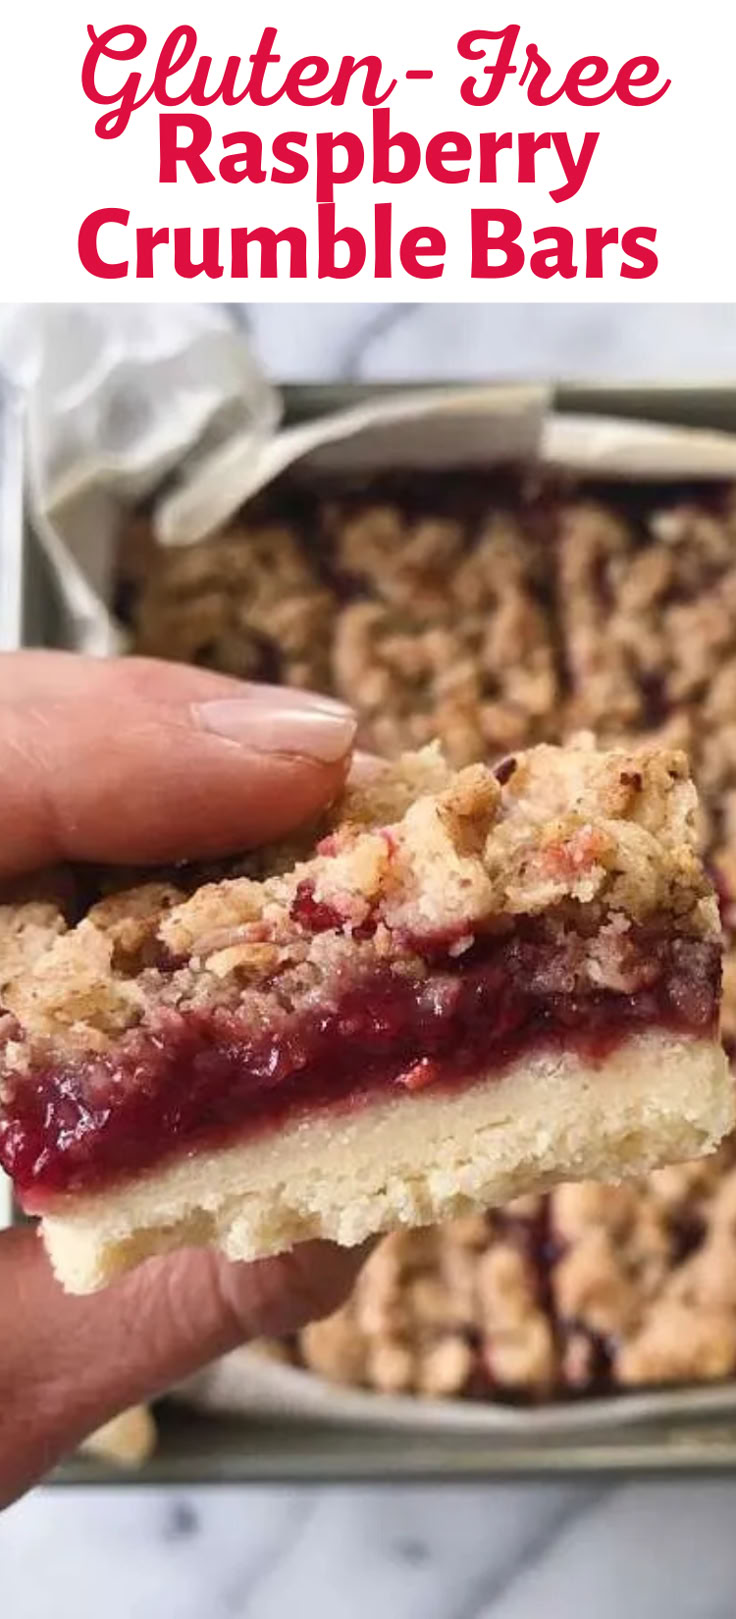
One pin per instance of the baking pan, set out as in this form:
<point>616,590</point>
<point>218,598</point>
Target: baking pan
<point>194,1448</point>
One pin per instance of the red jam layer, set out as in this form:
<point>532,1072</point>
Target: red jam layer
<point>195,1079</point>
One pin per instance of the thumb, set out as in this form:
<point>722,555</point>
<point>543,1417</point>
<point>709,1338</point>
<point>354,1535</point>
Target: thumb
<point>68,1364</point>
<point>134,761</point>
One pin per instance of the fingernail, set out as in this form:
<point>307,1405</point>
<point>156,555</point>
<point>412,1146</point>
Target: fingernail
<point>292,723</point>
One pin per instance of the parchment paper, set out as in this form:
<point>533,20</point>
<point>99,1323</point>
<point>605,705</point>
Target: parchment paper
<point>248,1384</point>
<point>124,401</point>
<point>120,401</point>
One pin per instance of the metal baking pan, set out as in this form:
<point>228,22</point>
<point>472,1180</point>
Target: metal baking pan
<point>194,1448</point>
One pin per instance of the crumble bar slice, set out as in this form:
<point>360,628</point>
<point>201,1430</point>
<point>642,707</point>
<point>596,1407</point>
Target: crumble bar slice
<point>477,985</point>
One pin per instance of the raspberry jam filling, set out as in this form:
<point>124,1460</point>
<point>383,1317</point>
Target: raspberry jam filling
<point>189,1079</point>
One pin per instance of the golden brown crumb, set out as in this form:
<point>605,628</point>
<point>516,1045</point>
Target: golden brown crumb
<point>679,1345</point>
<point>445,1367</point>
<point>404,562</point>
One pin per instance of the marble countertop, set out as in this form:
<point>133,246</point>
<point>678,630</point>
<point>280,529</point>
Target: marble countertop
<point>517,1551</point>
<point>520,1551</point>
<point>455,342</point>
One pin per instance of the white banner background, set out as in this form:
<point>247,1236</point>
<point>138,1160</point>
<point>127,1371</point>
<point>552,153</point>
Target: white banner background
<point>667,166</point>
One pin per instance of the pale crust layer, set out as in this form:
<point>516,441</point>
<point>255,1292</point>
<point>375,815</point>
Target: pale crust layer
<point>550,1117</point>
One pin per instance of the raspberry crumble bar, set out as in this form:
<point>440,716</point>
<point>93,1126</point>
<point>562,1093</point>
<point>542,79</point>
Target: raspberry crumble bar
<point>471,986</point>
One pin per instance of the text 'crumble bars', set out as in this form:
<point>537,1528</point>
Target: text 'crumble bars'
<point>478,984</point>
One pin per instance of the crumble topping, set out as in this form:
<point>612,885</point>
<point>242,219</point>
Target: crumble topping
<point>403,561</point>
<point>596,844</point>
<point>466,655</point>
<point>248,603</point>
<point>26,932</point>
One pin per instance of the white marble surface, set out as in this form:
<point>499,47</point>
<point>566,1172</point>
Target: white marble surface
<point>378,342</point>
<point>521,1551</point>
<point>515,1552</point>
